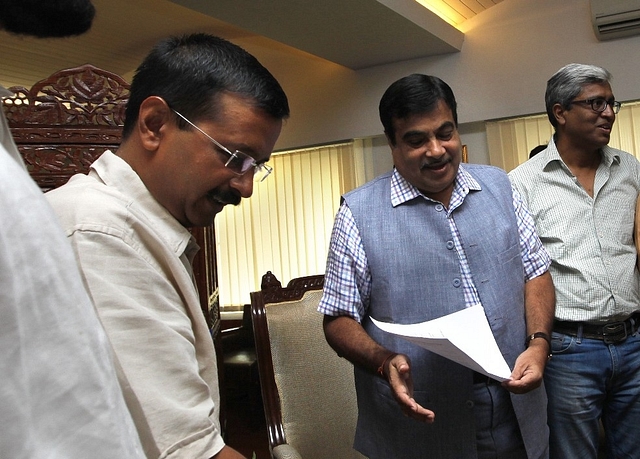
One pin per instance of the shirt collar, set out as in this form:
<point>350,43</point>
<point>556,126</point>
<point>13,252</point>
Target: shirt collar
<point>117,173</point>
<point>402,191</point>
<point>551,154</point>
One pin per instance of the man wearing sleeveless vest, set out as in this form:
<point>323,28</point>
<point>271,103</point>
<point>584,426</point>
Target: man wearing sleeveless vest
<point>425,240</point>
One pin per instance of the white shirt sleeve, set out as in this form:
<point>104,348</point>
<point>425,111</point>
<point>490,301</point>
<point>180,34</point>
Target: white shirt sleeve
<point>59,396</point>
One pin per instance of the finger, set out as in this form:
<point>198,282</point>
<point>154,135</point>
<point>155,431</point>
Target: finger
<point>416,411</point>
<point>527,383</point>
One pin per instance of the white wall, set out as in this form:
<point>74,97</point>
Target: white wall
<point>509,53</point>
<point>474,136</point>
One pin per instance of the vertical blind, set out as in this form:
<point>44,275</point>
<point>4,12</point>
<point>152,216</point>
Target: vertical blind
<point>511,140</point>
<point>286,225</point>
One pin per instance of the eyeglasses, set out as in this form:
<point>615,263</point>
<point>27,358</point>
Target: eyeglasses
<point>599,104</point>
<point>239,163</point>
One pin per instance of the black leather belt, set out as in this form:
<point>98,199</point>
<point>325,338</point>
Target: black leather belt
<point>614,332</point>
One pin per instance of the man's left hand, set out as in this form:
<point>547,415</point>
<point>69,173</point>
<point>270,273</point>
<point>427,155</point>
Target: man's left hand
<point>529,368</point>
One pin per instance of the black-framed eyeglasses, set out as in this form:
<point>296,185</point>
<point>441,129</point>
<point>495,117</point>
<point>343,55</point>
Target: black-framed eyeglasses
<point>239,163</point>
<point>599,104</point>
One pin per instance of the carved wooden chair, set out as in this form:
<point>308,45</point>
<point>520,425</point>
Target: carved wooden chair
<point>64,122</point>
<point>308,391</point>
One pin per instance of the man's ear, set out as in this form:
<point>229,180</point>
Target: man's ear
<point>153,115</point>
<point>558,112</point>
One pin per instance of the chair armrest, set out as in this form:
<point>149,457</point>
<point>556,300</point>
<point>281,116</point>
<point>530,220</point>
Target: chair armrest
<point>285,452</point>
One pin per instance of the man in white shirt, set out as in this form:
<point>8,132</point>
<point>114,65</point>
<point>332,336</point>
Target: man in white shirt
<point>59,393</point>
<point>582,195</point>
<point>202,119</point>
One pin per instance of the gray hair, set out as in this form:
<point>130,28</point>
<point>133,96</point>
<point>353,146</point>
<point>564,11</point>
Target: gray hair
<point>567,83</point>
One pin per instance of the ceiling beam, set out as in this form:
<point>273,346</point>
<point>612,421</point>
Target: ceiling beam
<point>354,33</point>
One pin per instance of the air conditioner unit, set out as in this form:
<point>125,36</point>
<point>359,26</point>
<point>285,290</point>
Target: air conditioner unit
<point>615,18</point>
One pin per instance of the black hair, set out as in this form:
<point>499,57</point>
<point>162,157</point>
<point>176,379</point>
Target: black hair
<point>537,149</point>
<point>191,71</point>
<point>412,95</point>
<point>51,18</point>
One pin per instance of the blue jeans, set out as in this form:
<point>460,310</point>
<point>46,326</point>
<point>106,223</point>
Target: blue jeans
<point>588,381</point>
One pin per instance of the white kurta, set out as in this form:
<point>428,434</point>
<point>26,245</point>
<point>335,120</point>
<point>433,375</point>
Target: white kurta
<point>59,394</point>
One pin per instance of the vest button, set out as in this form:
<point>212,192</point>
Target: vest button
<point>439,207</point>
<point>470,404</point>
<point>457,282</point>
<point>450,245</point>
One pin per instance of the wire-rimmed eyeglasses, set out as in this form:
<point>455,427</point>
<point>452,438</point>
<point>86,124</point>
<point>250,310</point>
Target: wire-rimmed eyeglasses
<point>239,163</point>
<point>599,104</point>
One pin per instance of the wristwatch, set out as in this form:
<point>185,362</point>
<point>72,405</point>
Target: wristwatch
<point>542,335</point>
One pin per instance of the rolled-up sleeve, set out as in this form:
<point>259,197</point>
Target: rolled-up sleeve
<point>347,284</point>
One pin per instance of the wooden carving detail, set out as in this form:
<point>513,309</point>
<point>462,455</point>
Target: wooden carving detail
<point>82,96</point>
<point>307,283</point>
<point>66,121</point>
<point>51,166</point>
<point>273,292</point>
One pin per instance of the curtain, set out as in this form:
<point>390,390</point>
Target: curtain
<point>511,140</point>
<point>286,225</point>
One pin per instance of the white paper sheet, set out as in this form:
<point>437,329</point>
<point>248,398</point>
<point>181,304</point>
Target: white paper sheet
<point>464,337</point>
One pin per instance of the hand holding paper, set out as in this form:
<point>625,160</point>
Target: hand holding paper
<point>464,337</point>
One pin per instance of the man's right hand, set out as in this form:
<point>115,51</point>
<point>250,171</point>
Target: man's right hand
<point>398,373</point>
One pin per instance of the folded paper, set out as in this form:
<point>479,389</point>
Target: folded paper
<point>464,337</point>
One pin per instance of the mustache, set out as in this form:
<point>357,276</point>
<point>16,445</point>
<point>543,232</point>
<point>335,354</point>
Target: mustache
<point>428,163</point>
<point>226,197</point>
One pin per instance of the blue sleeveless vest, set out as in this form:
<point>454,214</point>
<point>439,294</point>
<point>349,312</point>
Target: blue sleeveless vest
<point>416,277</point>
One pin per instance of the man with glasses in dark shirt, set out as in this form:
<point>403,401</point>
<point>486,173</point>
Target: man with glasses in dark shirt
<point>582,195</point>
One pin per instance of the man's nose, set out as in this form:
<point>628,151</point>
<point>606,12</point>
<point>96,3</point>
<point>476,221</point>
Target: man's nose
<point>434,148</point>
<point>243,184</point>
<point>608,111</point>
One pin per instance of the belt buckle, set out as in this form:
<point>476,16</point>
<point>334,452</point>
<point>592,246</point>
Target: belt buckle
<point>614,332</point>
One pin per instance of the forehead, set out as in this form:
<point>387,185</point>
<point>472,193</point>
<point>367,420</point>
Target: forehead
<point>240,125</point>
<point>596,90</point>
<point>228,104</point>
<point>438,118</point>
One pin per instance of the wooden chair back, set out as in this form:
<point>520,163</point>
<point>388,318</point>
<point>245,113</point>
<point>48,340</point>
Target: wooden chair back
<point>308,391</point>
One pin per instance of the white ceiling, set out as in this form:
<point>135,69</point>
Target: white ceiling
<point>353,33</point>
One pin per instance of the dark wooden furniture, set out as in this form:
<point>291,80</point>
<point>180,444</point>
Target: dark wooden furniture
<point>65,122</point>
<point>239,360</point>
<point>272,291</point>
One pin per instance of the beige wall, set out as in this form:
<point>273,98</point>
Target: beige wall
<point>509,52</point>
